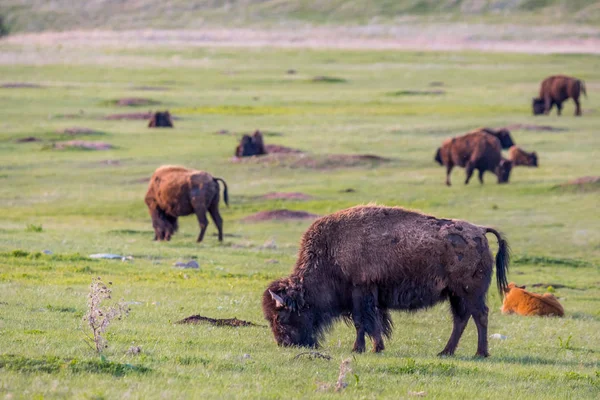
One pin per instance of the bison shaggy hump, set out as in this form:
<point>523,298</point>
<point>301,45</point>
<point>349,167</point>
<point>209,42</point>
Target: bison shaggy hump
<point>362,262</point>
<point>177,191</point>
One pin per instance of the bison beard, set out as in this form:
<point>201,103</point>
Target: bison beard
<point>359,263</point>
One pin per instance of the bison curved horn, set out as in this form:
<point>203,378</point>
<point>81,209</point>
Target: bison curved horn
<point>279,302</point>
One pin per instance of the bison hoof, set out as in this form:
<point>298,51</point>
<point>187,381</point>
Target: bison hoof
<point>482,354</point>
<point>378,348</point>
<point>445,353</point>
<point>358,349</point>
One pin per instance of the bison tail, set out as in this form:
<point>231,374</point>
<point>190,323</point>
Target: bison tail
<point>438,156</point>
<point>582,87</point>
<point>502,261</point>
<point>225,194</point>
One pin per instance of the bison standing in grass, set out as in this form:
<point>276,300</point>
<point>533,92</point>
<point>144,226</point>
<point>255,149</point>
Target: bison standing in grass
<point>161,120</point>
<point>518,156</point>
<point>359,263</point>
<point>251,146</point>
<point>475,150</point>
<point>555,90</point>
<point>176,192</point>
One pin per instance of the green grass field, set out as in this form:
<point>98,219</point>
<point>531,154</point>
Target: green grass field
<point>92,202</point>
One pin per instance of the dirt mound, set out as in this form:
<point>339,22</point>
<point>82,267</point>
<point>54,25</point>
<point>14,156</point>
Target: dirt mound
<point>585,183</point>
<point>328,79</point>
<point>28,139</point>
<point>529,127</point>
<point>17,85</point>
<point>135,102</point>
<point>82,144</point>
<point>131,116</point>
<point>418,93</point>
<point>77,130</point>
<point>199,319</point>
<point>286,196</point>
<point>297,159</point>
<point>280,215</point>
<point>585,180</point>
<point>277,149</point>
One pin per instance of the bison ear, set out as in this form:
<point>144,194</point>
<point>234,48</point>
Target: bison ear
<point>279,302</point>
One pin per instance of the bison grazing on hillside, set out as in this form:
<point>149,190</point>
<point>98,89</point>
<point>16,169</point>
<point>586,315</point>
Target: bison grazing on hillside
<point>475,150</point>
<point>161,120</point>
<point>555,90</point>
<point>503,136</point>
<point>518,156</point>
<point>176,192</point>
<point>519,301</point>
<point>359,263</point>
<point>251,146</point>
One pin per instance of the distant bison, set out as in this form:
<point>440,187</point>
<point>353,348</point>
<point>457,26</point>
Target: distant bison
<point>518,156</point>
<point>503,136</point>
<point>555,90</point>
<point>475,150</point>
<point>519,301</point>
<point>161,120</point>
<point>359,263</point>
<point>251,146</point>
<point>176,192</point>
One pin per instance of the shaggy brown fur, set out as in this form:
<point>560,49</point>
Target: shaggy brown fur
<point>161,120</point>
<point>251,146</point>
<point>361,262</point>
<point>176,192</point>
<point>503,136</point>
<point>475,150</point>
<point>518,156</point>
<point>522,302</point>
<point>555,90</point>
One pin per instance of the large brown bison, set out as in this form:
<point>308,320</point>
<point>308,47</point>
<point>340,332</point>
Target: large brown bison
<point>362,262</point>
<point>503,136</point>
<point>176,192</point>
<point>518,156</point>
<point>555,90</point>
<point>475,150</point>
<point>161,120</point>
<point>251,146</point>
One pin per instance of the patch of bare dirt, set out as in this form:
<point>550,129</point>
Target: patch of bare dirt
<point>319,162</point>
<point>285,196</point>
<point>199,319</point>
<point>77,130</point>
<point>277,149</point>
<point>20,85</point>
<point>529,127</point>
<point>135,102</point>
<point>28,139</point>
<point>82,144</point>
<point>585,183</point>
<point>129,116</point>
<point>418,93</point>
<point>280,215</point>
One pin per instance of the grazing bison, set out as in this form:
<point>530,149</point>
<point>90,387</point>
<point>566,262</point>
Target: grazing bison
<point>503,136</point>
<point>518,156</point>
<point>251,146</point>
<point>176,192</point>
<point>555,90</point>
<point>519,301</point>
<point>161,120</point>
<point>475,150</point>
<point>362,262</point>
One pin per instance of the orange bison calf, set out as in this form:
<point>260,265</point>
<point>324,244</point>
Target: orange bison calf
<point>475,150</point>
<point>519,301</point>
<point>555,90</point>
<point>177,191</point>
<point>518,156</point>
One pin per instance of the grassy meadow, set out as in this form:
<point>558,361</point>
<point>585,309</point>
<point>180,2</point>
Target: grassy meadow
<point>78,202</point>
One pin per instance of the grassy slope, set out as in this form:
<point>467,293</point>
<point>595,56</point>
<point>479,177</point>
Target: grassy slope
<point>39,15</point>
<point>86,206</point>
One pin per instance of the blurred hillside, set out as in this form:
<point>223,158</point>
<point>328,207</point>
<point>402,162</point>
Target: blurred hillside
<point>61,15</point>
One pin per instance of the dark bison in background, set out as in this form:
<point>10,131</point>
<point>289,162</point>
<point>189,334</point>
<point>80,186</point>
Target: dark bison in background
<point>362,262</point>
<point>161,120</point>
<point>176,192</point>
<point>251,146</point>
<point>475,150</point>
<point>503,135</point>
<point>555,90</point>
<point>518,156</point>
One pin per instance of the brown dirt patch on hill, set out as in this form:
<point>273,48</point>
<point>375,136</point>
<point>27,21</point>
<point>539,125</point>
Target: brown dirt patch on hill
<point>20,85</point>
<point>199,319</point>
<point>285,196</point>
<point>319,162</point>
<point>280,215</point>
<point>77,130</point>
<point>129,116</point>
<point>28,139</point>
<point>277,149</point>
<point>530,127</point>
<point>135,102</point>
<point>82,144</point>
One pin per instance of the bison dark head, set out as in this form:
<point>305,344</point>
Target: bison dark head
<point>503,170</point>
<point>247,147</point>
<point>291,320</point>
<point>539,106</point>
<point>438,156</point>
<point>533,159</point>
<point>163,119</point>
<point>505,139</point>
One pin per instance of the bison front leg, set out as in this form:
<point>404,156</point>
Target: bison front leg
<point>461,315</point>
<point>357,317</point>
<point>469,168</point>
<point>448,172</point>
